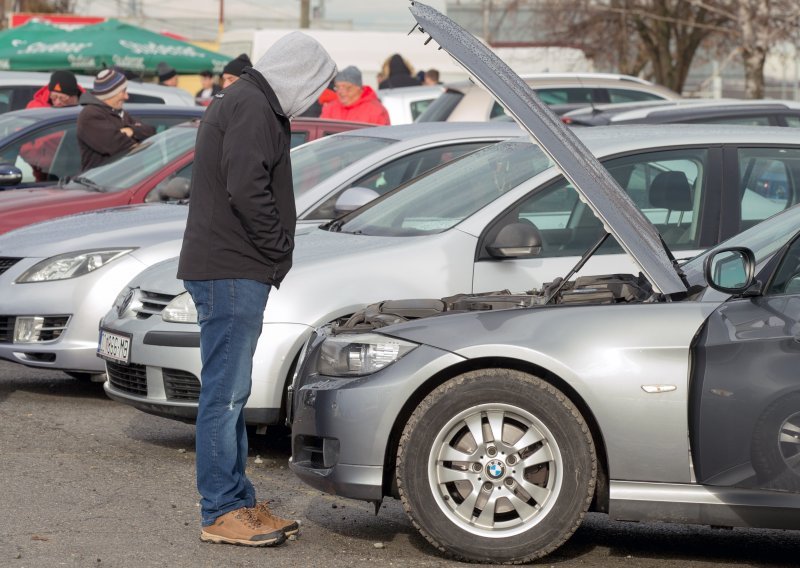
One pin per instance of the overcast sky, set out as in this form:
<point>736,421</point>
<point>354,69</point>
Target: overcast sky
<point>373,14</point>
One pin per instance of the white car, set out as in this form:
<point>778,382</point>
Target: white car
<point>562,92</point>
<point>453,230</point>
<point>405,104</point>
<point>18,87</point>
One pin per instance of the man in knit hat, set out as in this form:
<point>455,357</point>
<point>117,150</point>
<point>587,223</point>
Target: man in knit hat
<point>354,101</point>
<point>104,129</point>
<point>237,246</point>
<point>233,69</point>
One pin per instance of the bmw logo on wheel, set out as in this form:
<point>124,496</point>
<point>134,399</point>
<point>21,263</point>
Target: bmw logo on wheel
<point>495,469</point>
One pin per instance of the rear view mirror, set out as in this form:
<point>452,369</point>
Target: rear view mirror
<point>731,270</point>
<point>353,198</point>
<point>10,175</point>
<point>516,240</point>
<point>176,189</point>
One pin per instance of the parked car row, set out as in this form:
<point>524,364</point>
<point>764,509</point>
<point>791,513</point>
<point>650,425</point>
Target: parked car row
<point>503,327</point>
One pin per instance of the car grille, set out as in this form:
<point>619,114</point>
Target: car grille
<point>152,303</point>
<point>52,328</point>
<point>128,378</point>
<point>180,385</point>
<point>6,263</point>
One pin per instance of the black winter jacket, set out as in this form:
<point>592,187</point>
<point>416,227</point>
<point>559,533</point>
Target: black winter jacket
<point>99,137</point>
<point>241,213</point>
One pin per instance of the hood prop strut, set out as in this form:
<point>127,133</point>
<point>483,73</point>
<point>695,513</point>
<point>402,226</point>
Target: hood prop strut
<point>584,259</point>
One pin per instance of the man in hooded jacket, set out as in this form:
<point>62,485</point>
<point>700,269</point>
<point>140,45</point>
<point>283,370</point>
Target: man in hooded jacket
<point>238,245</point>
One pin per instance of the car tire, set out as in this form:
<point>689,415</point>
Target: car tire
<point>775,448</point>
<point>483,499</point>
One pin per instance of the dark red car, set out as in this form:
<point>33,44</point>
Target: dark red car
<point>157,170</point>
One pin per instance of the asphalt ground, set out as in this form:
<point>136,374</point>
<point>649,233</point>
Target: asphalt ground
<point>86,482</point>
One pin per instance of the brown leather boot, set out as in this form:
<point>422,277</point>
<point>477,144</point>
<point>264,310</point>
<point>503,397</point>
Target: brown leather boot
<point>270,519</point>
<point>242,526</point>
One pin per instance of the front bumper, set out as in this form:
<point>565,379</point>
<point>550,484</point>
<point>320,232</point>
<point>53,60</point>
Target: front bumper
<point>75,305</point>
<point>163,376</point>
<point>341,428</point>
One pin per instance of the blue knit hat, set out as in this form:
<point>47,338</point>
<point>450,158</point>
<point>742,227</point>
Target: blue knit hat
<point>108,83</point>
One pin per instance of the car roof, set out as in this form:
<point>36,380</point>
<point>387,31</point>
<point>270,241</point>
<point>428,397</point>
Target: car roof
<point>437,130</point>
<point>170,95</point>
<point>578,80</point>
<point>44,113</point>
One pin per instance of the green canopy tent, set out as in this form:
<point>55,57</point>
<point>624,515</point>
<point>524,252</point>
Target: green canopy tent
<point>108,44</point>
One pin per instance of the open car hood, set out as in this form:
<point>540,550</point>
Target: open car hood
<point>619,215</point>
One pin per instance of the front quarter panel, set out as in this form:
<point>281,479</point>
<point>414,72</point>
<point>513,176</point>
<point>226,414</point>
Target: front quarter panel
<point>606,354</point>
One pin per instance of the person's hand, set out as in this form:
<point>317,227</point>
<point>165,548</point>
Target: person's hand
<point>127,131</point>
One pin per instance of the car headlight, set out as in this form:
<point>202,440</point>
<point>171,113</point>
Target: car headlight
<point>180,310</point>
<point>70,265</point>
<point>360,354</point>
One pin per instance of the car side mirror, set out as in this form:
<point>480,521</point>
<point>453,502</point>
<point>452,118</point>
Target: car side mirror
<point>731,270</point>
<point>516,240</point>
<point>353,198</point>
<point>10,175</point>
<point>176,189</point>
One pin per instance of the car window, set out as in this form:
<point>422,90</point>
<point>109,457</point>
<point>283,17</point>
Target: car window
<point>140,98</point>
<point>322,158</point>
<point>629,96</point>
<point>299,137</point>
<point>9,124</point>
<point>740,120</point>
<point>440,200</point>
<point>418,107</point>
<point>397,172</point>
<point>16,97</point>
<point>441,107</point>
<point>667,186</point>
<point>787,277</point>
<point>172,188</point>
<point>162,123</point>
<point>767,182</point>
<point>143,161</point>
<point>563,95</point>
<point>792,120</point>
<point>46,155</point>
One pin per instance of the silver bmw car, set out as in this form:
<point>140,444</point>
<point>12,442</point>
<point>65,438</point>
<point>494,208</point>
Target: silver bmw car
<point>669,394</point>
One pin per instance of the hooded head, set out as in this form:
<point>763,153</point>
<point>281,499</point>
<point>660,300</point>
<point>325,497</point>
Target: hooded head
<point>298,69</point>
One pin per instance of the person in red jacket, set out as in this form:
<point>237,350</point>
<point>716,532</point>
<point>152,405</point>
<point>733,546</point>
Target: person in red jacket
<point>354,101</point>
<point>62,91</point>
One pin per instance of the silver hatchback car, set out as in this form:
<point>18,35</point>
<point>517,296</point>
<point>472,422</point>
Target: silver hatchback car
<point>671,395</point>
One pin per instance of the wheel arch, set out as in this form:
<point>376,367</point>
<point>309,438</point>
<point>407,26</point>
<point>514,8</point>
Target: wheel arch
<point>601,497</point>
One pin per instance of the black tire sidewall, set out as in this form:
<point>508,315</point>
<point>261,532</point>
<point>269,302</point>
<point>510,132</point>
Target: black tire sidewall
<point>548,405</point>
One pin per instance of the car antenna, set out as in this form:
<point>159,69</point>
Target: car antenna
<point>584,259</point>
<point>595,110</point>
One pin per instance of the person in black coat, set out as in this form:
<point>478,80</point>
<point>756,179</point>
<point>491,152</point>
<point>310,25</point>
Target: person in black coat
<point>397,74</point>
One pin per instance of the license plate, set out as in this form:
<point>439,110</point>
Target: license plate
<point>114,347</point>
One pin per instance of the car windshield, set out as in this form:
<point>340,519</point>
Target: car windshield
<point>11,124</point>
<point>318,160</point>
<point>436,202</point>
<point>143,161</point>
<point>763,239</point>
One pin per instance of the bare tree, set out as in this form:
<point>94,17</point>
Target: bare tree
<point>658,38</point>
<point>754,27</point>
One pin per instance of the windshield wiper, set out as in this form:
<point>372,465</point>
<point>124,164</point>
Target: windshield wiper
<point>334,226</point>
<point>86,182</point>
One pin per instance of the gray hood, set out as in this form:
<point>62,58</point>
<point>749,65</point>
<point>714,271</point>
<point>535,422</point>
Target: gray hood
<point>298,69</point>
<point>609,202</point>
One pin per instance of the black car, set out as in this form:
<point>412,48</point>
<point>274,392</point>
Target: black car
<point>40,146</point>
<point>750,113</point>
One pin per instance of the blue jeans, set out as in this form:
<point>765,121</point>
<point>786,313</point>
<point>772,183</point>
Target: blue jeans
<point>230,314</point>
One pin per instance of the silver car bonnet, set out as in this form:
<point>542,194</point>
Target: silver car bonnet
<point>130,226</point>
<point>594,184</point>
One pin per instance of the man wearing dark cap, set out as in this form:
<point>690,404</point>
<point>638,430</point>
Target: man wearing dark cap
<point>354,101</point>
<point>234,68</point>
<point>62,91</point>
<point>167,76</point>
<point>105,130</point>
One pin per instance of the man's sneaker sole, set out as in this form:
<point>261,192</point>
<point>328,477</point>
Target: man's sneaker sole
<point>270,539</point>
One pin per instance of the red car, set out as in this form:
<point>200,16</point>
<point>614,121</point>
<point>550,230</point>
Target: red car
<point>157,170</point>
